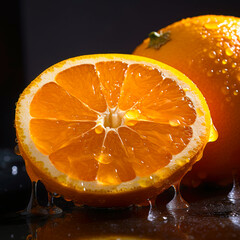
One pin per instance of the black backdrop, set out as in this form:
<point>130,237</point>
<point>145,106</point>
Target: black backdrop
<point>37,34</point>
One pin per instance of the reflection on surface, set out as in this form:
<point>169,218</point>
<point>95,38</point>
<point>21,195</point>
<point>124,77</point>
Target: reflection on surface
<point>210,215</point>
<point>207,219</point>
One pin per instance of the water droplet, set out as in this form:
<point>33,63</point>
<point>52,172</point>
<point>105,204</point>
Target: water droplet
<point>16,150</point>
<point>220,51</point>
<point>212,54</point>
<point>224,70</point>
<point>33,208</point>
<point>224,61</point>
<point>204,36</point>
<point>174,122</point>
<point>132,114</point>
<point>99,129</point>
<point>104,158</point>
<point>211,25</point>
<point>225,90</point>
<point>217,60</point>
<point>52,208</point>
<point>235,92</point>
<point>213,134</point>
<point>177,202</point>
<point>154,213</point>
<point>56,195</point>
<point>131,123</point>
<point>234,65</point>
<point>229,51</point>
<point>14,170</point>
<point>235,192</point>
<point>210,73</point>
<point>219,44</point>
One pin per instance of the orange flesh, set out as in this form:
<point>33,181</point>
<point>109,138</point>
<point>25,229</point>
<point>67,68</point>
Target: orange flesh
<point>146,120</point>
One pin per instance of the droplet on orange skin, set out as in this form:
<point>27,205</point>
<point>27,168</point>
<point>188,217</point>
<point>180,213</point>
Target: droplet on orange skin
<point>225,90</point>
<point>211,25</point>
<point>224,61</point>
<point>229,52</point>
<point>212,54</point>
<point>213,134</point>
<point>235,92</point>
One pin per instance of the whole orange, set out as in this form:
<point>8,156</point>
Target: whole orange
<point>207,50</point>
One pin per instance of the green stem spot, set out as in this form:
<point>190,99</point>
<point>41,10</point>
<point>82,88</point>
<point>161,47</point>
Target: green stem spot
<point>158,39</point>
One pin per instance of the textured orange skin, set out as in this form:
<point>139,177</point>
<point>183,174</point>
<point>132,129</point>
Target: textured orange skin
<point>198,47</point>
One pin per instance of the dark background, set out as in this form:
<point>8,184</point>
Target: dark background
<point>36,34</point>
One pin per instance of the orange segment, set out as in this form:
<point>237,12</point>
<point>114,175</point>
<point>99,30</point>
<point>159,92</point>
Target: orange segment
<point>167,103</point>
<point>50,135</point>
<point>111,76</point>
<point>82,82</point>
<point>52,101</point>
<point>77,160</point>
<point>173,139</point>
<point>114,167</point>
<point>145,157</point>
<point>140,79</point>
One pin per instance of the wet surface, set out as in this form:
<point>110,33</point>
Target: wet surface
<point>210,215</point>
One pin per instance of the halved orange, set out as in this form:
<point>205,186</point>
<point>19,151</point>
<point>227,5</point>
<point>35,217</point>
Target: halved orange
<point>111,129</point>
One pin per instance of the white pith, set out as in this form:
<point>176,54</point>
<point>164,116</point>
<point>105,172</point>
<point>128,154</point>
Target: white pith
<point>200,130</point>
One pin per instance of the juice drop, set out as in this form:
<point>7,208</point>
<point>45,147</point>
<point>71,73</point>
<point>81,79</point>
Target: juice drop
<point>177,202</point>
<point>234,194</point>
<point>229,51</point>
<point>174,123</point>
<point>99,129</point>
<point>52,208</point>
<point>213,134</point>
<point>16,150</point>
<point>225,90</point>
<point>224,61</point>
<point>56,195</point>
<point>235,92</point>
<point>212,54</point>
<point>33,208</point>
<point>211,25</point>
<point>154,213</point>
